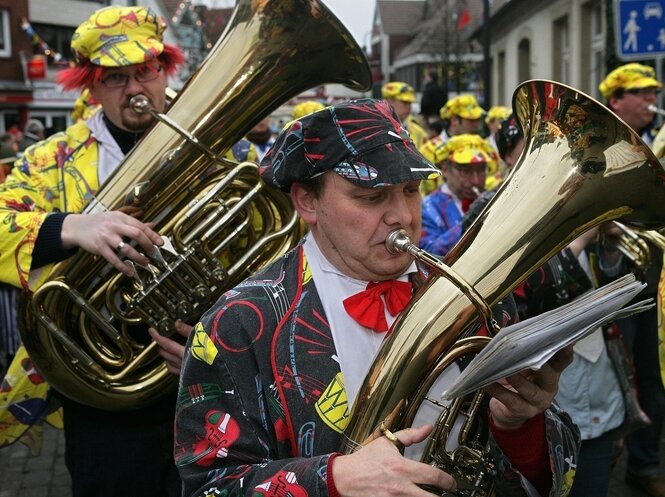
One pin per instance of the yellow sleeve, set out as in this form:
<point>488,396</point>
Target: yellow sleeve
<point>43,181</point>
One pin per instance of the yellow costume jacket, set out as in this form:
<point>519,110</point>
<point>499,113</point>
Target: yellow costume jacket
<point>58,175</point>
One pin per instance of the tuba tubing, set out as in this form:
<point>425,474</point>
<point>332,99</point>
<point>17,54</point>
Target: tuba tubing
<point>85,327</point>
<point>571,176</point>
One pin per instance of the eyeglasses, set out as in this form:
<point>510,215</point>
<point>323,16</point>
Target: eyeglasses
<point>643,91</point>
<point>467,171</point>
<point>121,79</point>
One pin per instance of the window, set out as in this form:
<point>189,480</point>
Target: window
<point>5,34</point>
<point>592,49</point>
<point>56,37</point>
<point>561,56</point>
<point>524,60</point>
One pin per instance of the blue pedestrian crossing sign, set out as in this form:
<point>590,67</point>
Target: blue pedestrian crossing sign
<point>640,29</point>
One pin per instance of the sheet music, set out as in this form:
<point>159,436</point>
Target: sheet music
<point>529,344</point>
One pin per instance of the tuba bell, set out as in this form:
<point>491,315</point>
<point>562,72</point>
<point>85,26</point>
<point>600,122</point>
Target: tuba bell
<point>85,328</point>
<point>571,176</point>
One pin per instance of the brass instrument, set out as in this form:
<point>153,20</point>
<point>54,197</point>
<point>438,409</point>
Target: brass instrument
<point>85,328</point>
<point>571,176</point>
<point>634,244</point>
<point>658,145</point>
<point>656,110</point>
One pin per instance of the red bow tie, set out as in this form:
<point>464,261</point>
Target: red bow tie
<point>368,309</point>
<point>466,203</point>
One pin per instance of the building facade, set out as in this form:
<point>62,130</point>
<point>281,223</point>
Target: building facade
<point>562,40</point>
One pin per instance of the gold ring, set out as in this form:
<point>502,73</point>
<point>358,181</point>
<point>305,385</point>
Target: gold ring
<point>391,437</point>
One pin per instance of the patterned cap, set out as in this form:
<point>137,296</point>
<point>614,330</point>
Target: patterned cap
<point>304,108</point>
<point>464,106</point>
<point>119,36</point>
<point>468,149</point>
<point>399,91</point>
<point>497,113</point>
<point>361,140</point>
<point>631,76</point>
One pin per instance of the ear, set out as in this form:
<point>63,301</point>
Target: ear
<point>304,202</point>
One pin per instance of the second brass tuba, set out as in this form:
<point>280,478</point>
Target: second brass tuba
<point>573,174</point>
<point>85,328</point>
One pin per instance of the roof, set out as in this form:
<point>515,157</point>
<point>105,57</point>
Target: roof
<point>431,37</point>
<point>400,17</point>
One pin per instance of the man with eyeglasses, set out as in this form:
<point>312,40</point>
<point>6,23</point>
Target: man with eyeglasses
<point>464,161</point>
<point>460,115</point>
<point>629,91</point>
<point>119,53</point>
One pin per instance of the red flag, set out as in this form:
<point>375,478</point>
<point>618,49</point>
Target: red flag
<point>464,19</point>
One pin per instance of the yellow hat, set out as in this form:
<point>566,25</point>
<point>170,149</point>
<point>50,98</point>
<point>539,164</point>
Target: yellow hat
<point>399,91</point>
<point>304,108</point>
<point>468,149</point>
<point>119,36</point>
<point>498,112</point>
<point>464,106</point>
<point>631,76</point>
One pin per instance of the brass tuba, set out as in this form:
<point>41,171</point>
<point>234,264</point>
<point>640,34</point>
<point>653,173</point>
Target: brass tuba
<point>571,176</point>
<point>85,328</point>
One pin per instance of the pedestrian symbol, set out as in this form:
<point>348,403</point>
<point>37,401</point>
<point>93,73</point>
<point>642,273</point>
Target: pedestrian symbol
<point>640,29</point>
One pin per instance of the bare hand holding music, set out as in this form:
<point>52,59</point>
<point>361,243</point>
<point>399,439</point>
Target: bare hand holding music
<point>379,469</point>
<point>520,397</point>
<point>103,234</point>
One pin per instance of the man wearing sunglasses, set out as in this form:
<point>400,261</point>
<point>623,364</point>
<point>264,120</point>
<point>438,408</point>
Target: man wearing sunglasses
<point>119,53</point>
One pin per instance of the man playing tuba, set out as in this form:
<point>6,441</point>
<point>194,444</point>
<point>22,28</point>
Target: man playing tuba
<point>119,53</point>
<point>272,369</point>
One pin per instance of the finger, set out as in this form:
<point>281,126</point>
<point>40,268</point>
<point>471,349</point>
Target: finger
<point>173,368</point>
<point>129,252</point>
<point>531,396</point>
<point>170,346</point>
<point>182,328</point>
<point>130,210</point>
<point>410,436</point>
<point>562,359</point>
<point>145,237</point>
<point>110,255</point>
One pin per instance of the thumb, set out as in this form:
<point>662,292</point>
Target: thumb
<point>410,436</point>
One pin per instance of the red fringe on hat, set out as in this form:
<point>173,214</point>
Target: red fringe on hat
<point>82,76</point>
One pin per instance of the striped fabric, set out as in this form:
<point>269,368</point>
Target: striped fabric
<point>9,335</point>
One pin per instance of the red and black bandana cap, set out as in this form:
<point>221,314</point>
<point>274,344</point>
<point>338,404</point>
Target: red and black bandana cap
<point>361,140</point>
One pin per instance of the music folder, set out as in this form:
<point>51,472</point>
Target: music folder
<point>529,344</point>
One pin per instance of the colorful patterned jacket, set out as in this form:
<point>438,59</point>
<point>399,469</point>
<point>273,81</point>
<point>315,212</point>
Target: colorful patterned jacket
<point>262,406</point>
<point>442,222</point>
<point>43,181</point>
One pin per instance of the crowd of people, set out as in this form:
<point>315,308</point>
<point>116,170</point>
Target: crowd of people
<point>269,376</point>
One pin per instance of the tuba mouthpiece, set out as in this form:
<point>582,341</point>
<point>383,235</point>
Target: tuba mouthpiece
<point>656,110</point>
<point>397,241</point>
<point>139,104</point>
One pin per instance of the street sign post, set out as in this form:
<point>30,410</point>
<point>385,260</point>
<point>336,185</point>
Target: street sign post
<point>640,29</point>
<point>640,33</point>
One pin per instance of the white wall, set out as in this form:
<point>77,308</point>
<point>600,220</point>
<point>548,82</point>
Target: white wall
<point>539,29</point>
